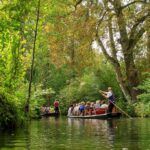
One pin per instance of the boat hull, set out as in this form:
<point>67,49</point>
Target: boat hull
<point>99,116</point>
<point>50,114</point>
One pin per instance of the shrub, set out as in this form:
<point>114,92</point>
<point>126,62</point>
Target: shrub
<point>142,109</point>
<point>145,87</point>
<point>11,114</point>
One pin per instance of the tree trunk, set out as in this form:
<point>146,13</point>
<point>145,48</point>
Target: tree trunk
<point>127,49</point>
<point>117,68</point>
<point>148,42</point>
<point>27,106</point>
<point>133,81</point>
<point>122,83</point>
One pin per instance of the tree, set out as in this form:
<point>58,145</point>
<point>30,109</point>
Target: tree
<point>122,33</point>
<point>70,36</point>
<point>33,57</point>
<point>120,28</point>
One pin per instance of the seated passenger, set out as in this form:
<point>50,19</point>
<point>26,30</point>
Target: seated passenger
<point>87,108</point>
<point>92,105</point>
<point>82,108</point>
<point>47,109</point>
<point>104,105</point>
<point>92,108</point>
<point>70,110</point>
<point>100,110</point>
<point>97,105</point>
<point>76,110</point>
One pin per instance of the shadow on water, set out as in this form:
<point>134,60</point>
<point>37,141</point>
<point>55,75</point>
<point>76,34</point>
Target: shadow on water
<point>15,139</point>
<point>79,134</point>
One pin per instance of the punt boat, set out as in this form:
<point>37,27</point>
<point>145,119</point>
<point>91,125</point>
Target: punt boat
<point>99,116</point>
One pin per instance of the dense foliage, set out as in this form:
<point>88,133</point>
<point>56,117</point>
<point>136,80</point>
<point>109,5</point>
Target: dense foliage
<point>142,107</point>
<point>11,109</point>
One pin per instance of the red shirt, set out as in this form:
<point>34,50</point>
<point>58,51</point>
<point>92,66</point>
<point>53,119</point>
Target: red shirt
<point>56,103</point>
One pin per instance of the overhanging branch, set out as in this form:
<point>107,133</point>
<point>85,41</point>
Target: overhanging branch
<point>78,3</point>
<point>125,6</point>
<point>133,41</point>
<point>111,59</point>
<point>136,35</point>
<point>112,42</point>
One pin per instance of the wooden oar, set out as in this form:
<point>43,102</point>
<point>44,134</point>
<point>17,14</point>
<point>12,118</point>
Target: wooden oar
<point>122,110</point>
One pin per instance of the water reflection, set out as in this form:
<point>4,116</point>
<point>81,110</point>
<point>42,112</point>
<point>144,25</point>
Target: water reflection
<point>105,129</point>
<point>79,134</point>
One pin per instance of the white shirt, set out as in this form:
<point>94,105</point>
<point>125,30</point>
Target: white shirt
<point>104,106</point>
<point>109,94</point>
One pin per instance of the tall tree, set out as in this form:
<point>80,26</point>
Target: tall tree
<point>121,34</point>
<point>33,57</point>
<point>119,30</point>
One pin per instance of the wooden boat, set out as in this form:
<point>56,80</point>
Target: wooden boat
<point>99,116</point>
<point>50,114</point>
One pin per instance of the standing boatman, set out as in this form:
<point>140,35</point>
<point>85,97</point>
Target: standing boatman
<point>56,106</point>
<point>111,99</point>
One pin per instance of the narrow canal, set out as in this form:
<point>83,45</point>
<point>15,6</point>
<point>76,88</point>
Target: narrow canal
<point>78,134</point>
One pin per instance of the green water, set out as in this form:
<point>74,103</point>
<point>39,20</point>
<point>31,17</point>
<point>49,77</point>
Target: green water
<point>77,134</point>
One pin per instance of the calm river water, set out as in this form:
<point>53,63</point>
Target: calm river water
<point>77,134</point>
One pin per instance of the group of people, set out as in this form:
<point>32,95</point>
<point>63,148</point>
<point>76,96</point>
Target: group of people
<point>86,108</point>
<point>90,108</point>
<point>48,109</point>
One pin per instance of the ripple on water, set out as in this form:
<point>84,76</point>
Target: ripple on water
<point>78,134</point>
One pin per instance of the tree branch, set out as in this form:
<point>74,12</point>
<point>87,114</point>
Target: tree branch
<point>123,7</point>
<point>121,22</point>
<point>104,49</point>
<point>140,20</point>
<point>101,19</point>
<point>112,59</point>
<point>112,42</point>
<point>133,40</point>
<point>78,3</point>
